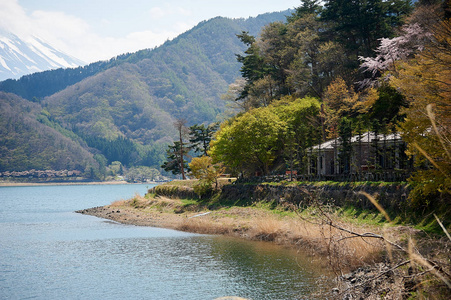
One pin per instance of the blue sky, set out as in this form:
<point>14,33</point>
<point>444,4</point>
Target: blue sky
<point>94,30</point>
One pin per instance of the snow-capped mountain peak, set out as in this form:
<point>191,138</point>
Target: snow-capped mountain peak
<point>19,57</point>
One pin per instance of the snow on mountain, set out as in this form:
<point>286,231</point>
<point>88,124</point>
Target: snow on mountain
<point>20,57</point>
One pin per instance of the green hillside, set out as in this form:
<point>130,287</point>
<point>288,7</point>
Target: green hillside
<point>36,86</point>
<point>124,109</point>
<point>28,144</point>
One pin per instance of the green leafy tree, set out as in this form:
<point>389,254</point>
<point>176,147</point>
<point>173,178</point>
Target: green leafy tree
<point>308,7</point>
<point>249,143</point>
<point>102,161</point>
<point>301,116</point>
<point>262,139</point>
<point>207,173</point>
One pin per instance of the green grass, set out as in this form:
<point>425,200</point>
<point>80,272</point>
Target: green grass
<point>418,219</point>
<point>189,202</point>
<point>334,183</point>
<point>361,216</point>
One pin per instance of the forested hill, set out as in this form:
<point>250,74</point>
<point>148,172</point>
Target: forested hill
<point>36,86</point>
<point>28,142</point>
<point>123,109</point>
<point>140,97</point>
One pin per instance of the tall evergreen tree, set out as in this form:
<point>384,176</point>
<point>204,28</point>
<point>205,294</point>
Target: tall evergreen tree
<point>175,159</point>
<point>183,150</point>
<point>359,24</point>
<point>200,137</point>
<point>253,65</point>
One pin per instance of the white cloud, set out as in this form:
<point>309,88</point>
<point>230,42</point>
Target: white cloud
<point>183,12</point>
<point>59,24</point>
<point>90,31</point>
<point>13,18</point>
<point>74,35</point>
<point>157,13</point>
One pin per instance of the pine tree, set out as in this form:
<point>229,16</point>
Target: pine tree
<point>200,137</point>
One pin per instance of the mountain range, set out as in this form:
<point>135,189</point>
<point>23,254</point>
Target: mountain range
<point>122,109</point>
<point>20,57</point>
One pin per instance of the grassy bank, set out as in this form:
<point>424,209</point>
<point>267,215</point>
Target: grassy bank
<point>370,255</point>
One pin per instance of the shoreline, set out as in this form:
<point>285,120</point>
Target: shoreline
<point>360,266</point>
<point>12,184</point>
<point>250,223</point>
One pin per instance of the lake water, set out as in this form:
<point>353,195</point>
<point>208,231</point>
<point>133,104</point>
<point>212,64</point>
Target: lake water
<point>49,252</point>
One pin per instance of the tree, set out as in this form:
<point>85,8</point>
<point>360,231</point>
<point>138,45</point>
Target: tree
<point>340,101</point>
<point>206,172</point>
<point>263,139</point>
<point>303,128</point>
<point>182,131</point>
<point>250,142</point>
<point>308,7</point>
<point>102,165</point>
<point>425,81</point>
<point>253,65</point>
<point>359,24</point>
<point>200,137</point>
<point>174,159</point>
<point>305,42</point>
<point>390,50</point>
<point>142,174</point>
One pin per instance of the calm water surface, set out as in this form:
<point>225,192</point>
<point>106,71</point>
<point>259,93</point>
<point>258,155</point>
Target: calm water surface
<point>49,252</point>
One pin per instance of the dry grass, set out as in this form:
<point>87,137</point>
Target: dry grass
<point>120,203</point>
<point>341,246</point>
<point>343,251</point>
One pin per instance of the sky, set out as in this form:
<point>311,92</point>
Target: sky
<point>93,30</point>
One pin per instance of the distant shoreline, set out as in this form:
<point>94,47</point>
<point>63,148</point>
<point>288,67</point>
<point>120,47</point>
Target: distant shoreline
<point>6,184</point>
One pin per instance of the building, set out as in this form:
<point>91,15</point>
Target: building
<point>365,157</point>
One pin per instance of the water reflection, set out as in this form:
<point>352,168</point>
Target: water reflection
<point>54,254</point>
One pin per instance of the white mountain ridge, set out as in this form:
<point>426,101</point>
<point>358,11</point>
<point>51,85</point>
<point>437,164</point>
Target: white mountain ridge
<point>20,57</point>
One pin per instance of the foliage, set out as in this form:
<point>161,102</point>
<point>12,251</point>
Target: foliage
<point>207,173</point>
<point>314,47</point>
<point>200,137</point>
<point>414,90</point>
<point>340,101</point>
<point>425,81</point>
<point>124,108</point>
<point>358,25</point>
<point>253,141</point>
<point>249,142</point>
<point>303,129</point>
<point>142,174</point>
<point>27,144</point>
<point>120,149</point>
<point>174,159</point>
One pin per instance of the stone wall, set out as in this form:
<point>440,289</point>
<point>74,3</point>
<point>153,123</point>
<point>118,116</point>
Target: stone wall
<point>391,197</point>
